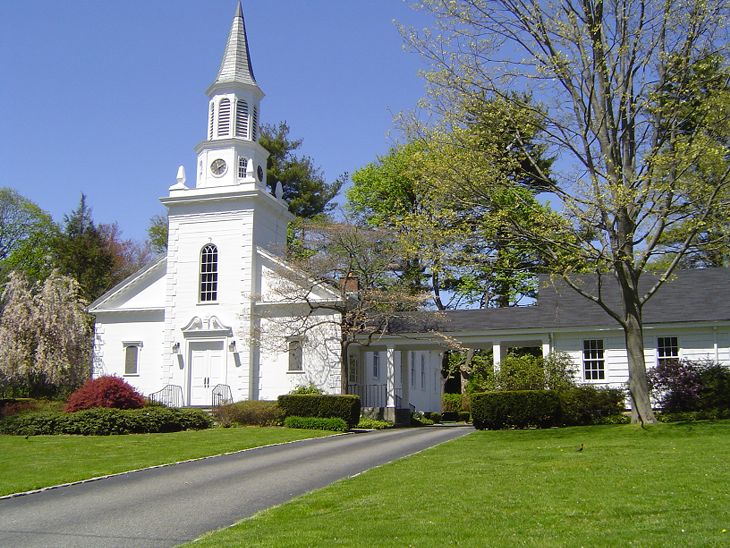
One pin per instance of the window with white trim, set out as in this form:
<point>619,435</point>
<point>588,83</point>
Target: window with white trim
<point>242,119</point>
<point>376,365</point>
<point>242,163</point>
<point>295,355</point>
<point>352,370</point>
<point>593,360</point>
<point>667,350</point>
<point>224,117</point>
<point>209,273</point>
<point>131,358</point>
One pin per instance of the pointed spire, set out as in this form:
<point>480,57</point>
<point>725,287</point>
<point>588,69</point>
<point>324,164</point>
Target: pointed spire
<point>236,64</point>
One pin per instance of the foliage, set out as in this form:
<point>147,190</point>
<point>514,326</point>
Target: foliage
<point>433,415</point>
<point>515,408</point>
<point>346,407</point>
<point>373,424</point>
<point>20,406</point>
<point>560,371</point>
<point>310,388</point>
<point>335,424</point>
<point>685,385</point>
<point>249,413</point>
<point>692,416</point>
<point>451,403</point>
<point>419,419</point>
<point>44,337</point>
<point>584,405</point>
<point>106,421</point>
<point>642,152</point>
<point>157,233</point>
<point>520,373</point>
<point>104,391</point>
<point>465,416</point>
<point>304,184</point>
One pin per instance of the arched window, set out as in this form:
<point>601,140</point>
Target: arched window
<point>209,273</point>
<point>210,121</point>
<point>224,118</point>
<point>255,124</point>
<point>242,119</point>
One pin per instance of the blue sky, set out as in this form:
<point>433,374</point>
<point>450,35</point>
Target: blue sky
<point>107,98</point>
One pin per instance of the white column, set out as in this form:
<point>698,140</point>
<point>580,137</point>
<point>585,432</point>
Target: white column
<point>390,377</point>
<point>546,347</point>
<point>496,354</point>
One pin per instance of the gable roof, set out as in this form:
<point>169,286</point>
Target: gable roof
<point>689,296</point>
<point>157,265</point>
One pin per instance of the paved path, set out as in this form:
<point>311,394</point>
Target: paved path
<point>170,505</point>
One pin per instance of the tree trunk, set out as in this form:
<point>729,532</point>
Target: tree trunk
<point>344,363</point>
<point>638,387</point>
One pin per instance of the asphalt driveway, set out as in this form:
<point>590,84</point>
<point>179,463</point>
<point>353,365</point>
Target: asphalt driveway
<point>170,505</point>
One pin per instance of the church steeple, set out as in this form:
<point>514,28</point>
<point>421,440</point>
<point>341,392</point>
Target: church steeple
<point>236,63</point>
<point>231,154</point>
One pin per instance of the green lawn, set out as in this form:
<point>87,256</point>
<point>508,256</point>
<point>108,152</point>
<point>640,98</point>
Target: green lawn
<point>666,485</point>
<point>41,461</point>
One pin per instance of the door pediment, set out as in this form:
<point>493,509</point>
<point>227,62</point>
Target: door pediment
<point>210,326</point>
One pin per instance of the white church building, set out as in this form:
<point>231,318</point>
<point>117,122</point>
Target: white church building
<point>206,323</point>
<point>203,323</point>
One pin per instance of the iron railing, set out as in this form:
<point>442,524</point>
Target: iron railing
<point>222,395</point>
<point>171,396</point>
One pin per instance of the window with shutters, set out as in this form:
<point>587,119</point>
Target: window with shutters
<point>209,273</point>
<point>242,119</point>
<point>224,118</point>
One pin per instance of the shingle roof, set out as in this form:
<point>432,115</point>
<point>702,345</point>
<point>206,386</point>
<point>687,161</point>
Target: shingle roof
<point>689,296</point>
<point>236,63</point>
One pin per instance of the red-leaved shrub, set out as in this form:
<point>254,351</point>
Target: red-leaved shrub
<point>104,392</point>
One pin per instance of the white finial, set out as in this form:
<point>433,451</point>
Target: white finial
<point>180,185</point>
<point>279,192</point>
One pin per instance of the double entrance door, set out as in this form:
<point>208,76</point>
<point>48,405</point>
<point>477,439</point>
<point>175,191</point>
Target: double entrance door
<point>207,369</point>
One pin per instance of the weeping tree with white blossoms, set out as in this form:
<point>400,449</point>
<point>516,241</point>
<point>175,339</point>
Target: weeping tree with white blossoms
<point>45,337</point>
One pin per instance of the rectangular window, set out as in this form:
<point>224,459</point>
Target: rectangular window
<point>593,361</point>
<point>295,355</point>
<point>131,358</point>
<point>352,374</point>
<point>413,372</point>
<point>242,163</point>
<point>667,350</point>
<point>376,365</point>
<point>209,273</point>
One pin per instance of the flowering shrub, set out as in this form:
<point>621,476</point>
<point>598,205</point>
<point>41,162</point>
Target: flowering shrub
<point>676,385</point>
<point>104,392</point>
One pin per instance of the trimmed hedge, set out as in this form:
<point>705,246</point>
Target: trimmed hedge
<point>515,408</point>
<point>249,413</point>
<point>107,421</point>
<point>334,424</point>
<point>346,407</point>
<point>584,405</point>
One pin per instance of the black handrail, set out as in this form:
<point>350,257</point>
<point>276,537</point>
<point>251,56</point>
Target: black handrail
<point>171,396</point>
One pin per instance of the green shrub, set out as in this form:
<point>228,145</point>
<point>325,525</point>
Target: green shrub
<point>373,424</point>
<point>106,421</point>
<point>584,405</point>
<point>464,416</point>
<point>715,380</point>
<point>346,407</point>
<point>560,371</point>
<point>249,413</point>
<point>310,388</point>
<point>334,424</point>
<point>516,408</point>
<point>691,416</point>
<point>18,406</point>
<point>520,373</point>
<point>435,417</point>
<point>418,419</point>
<point>451,403</point>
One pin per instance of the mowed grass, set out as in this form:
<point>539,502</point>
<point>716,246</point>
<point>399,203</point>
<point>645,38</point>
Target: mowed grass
<point>667,485</point>
<point>42,461</point>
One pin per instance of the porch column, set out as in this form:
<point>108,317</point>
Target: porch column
<point>390,377</point>
<point>496,354</point>
<point>405,377</point>
<point>546,347</point>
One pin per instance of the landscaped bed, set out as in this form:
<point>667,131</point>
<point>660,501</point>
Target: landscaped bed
<point>592,486</point>
<point>42,461</point>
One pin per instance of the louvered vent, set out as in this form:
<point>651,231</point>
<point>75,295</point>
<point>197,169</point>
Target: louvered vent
<point>255,128</point>
<point>242,119</point>
<point>210,122</point>
<point>224,118</point>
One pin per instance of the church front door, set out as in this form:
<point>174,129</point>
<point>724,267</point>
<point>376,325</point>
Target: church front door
<point>207,368</point>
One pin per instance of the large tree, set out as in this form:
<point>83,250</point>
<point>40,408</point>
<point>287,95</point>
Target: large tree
<point>305,187</point>
<point>629,168</point>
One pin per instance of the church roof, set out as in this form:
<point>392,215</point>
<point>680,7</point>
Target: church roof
<point>236,64</point>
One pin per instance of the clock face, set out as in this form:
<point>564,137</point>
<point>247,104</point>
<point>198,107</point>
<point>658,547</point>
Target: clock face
<point>218,167</point>
<point>260,173</point>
